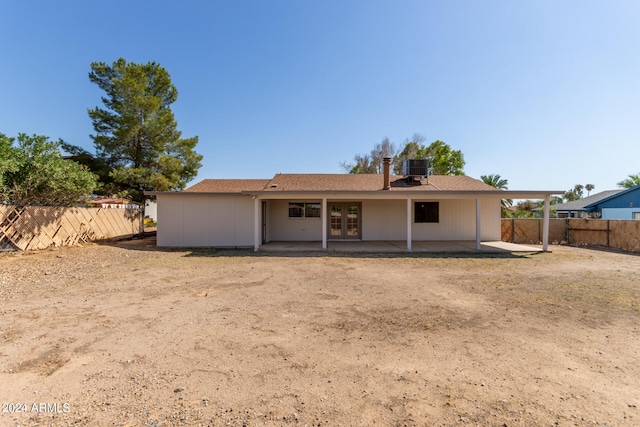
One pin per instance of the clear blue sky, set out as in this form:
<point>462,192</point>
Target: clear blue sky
<point>546,93</point>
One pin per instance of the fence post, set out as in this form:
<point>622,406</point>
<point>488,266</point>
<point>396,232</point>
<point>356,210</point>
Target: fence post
<point>566,230</point>
<point>608,230</point>
<point>513,230</point>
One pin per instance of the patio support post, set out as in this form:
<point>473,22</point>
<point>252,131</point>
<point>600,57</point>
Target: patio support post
<point>324,223</point>
<point>408,225</point>
<point>256,224</point>
<point>545,226</point>
<point>478,231</point>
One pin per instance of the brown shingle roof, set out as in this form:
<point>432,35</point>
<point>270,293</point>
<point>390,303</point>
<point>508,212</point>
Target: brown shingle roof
<point>325,182</point>
<point>227,185</point>
<point>458,183</point>
<point>337,182</point>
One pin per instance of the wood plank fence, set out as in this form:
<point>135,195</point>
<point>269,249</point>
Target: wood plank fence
<point>41,227</point>
<point>619,234</point>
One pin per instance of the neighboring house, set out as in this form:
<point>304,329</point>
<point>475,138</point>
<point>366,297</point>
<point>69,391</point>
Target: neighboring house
<point>578,208</point>
<point>326,207</point>
<point>151,209</point>
<point>112,203</point>
<point>624,204</point>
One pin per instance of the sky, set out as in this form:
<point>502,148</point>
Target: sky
<point>545,93</point>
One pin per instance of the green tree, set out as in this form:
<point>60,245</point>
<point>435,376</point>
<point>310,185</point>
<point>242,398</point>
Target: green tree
<point>589,188</point>
<point>414,148</point>
<point>571,195</point>
<point>136,132</point>
<point>97,165</point>
<point>579,189</point>
<point>630,182</point>
<point>8,160</point>
<point>575,193</point>
<point>525,209</point>
<point>496,181</point>
<point>530,209</point>
<point>442,159</point>
<point>33,172</point>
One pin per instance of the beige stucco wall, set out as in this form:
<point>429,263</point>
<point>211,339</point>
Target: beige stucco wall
<point>219,221</point>
<point>205,221</point>
<point>491,227</point>
<point>458,221</point>
<point>384,220</point>
<point>282,228</point>
<point>387,220</point>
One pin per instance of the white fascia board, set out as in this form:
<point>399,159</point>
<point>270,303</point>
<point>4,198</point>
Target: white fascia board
<point>192,193</point>
<point>371,195</point>
<point>400,195</point>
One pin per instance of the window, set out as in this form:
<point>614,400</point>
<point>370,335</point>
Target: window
<point>304,210</point>
<point>427,211</point>
<point>296,210</point>
<point>312,210</point>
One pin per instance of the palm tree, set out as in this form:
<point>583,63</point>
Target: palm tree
<point>496,181</point>
<point>589,188</point>
<point>632,181</point>
<point>578,189</point>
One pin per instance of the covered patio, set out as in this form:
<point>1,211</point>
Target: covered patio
<point>490,247</point>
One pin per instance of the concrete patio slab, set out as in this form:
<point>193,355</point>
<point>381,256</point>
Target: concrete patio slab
<point>398,247</point>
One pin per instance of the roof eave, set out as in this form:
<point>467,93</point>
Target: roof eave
<point>208,193</point>
<point>503,194</point>
<point>613,196</point>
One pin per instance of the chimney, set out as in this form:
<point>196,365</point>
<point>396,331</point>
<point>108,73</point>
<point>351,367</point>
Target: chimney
<point>386,162</point>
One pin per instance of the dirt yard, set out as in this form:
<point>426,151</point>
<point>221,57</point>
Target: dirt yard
<point>125,334</point>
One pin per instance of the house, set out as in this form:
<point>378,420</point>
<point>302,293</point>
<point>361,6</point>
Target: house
<point>578,208</point>
<point>328,207</point>
<point>151,209</point>
<point>106,202</point>
<point>624,204</point>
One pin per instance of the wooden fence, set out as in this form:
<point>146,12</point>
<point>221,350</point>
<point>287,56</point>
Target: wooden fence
<point>41,227</point>
<point>619,234</point>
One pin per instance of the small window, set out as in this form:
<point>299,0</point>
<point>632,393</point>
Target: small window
<point>312,210</point>
<point>427,212</point>
<point>304,210</point>
<point>296,210</point>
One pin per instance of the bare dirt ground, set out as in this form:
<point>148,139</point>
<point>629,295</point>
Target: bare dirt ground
<point>124,334</point>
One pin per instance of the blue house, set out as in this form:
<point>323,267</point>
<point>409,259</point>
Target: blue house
<point>622,205</point>
<point>578,208</point>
